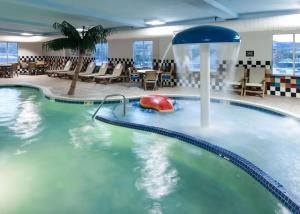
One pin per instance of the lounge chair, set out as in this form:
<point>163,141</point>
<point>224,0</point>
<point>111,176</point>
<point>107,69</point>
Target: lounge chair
<point>256,81</point>
<point>238,81</point>
<point>150,77</point>
<point>70,74</point>
<point>101,72</point>
<point>116,74</point>
<point>89,70</point>
<point>67,68</point>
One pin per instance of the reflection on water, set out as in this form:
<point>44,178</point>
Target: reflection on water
<point>89,133</point>
<point>8,106</point>
<point>158,177</point>
<point>27,120</point>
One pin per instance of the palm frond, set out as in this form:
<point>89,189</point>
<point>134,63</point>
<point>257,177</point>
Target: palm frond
<point>95,35</point>
<point>61,43</point>
<point>67,30</point>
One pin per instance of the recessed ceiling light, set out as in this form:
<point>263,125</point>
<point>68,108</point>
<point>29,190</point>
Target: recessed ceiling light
<point>155,22</point>
<point>26,34</point>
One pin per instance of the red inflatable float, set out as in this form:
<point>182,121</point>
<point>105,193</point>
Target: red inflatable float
<point>157,102</point>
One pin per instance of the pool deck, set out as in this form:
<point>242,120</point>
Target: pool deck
<point>91,91</point>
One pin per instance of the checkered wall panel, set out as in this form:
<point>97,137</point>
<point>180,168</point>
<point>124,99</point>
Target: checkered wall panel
<point>283,86</point>
<point>29,59</point>
<point>279,86</point>
<point>192,79</point>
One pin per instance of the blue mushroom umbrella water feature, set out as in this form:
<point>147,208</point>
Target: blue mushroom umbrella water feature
<point>214,45</point>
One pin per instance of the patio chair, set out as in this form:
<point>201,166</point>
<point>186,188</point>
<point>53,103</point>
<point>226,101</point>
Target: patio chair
<point>14,69</point>
<point>2,73</point>
<point>238,81</point>
<point>133,75</point>
<point>167,76</point>
<point>23,66</point>
<point>256,81</point>
<point>89,70</point>
<point>116,74</point>
<point>101,72</point>
<point>32,69</point>
<point>150,77</point>
<point>67,68</point>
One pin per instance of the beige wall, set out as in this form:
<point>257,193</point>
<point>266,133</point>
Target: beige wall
<point>30,49</point>
<point>122,48</point>
<point>259,41</point>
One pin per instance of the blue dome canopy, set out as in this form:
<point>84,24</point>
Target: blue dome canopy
<point>206,34</point>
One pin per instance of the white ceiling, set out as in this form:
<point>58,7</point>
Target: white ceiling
<point>37,16</point>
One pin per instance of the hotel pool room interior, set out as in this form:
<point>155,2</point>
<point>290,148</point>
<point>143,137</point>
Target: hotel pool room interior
<point>155,107</point>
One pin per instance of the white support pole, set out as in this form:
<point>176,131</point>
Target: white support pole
<point>205,84</point>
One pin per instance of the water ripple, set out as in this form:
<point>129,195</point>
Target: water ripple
<point>158,177</point>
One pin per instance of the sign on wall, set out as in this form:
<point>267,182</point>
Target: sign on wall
<point>250,53</point>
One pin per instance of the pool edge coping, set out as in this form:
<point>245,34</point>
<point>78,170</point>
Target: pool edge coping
<point>272,185</point>
<point>48,94</point>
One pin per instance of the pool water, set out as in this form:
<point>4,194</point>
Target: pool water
<point>269,141</point>
<point>55,159</point>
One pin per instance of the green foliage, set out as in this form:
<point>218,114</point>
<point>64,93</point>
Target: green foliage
<point>73,40</point>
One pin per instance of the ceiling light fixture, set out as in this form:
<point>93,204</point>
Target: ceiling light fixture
<point>154,22</point>
<point>26,34</point>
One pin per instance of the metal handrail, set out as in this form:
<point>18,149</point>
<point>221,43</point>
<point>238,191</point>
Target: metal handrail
<point>105,98</point>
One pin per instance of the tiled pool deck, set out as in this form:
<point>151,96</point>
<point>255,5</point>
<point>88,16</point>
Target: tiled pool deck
<point>92,91</point>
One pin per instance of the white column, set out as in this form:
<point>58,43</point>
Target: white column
<point>205,84</point>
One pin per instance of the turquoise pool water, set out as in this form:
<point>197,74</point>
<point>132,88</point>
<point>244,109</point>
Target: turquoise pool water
<point>269,141</point>
<point>55,159</point>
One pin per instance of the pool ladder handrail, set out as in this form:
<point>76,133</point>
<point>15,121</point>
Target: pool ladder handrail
<point>108,96</point>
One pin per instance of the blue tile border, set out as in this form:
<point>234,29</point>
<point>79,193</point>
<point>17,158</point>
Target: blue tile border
<point>259,175</point>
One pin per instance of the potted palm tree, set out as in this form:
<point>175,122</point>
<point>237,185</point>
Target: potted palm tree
<point>83,43</point>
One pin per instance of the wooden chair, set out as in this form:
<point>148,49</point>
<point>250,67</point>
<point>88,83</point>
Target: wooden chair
<point>23,66</point>
<point>32,69</point>
<point>256,81</point>
<point>237,83</point>
<point>150,77</point>
<point>14,69</point>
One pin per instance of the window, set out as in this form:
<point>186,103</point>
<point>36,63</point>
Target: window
<point>142,53</point>
<point>8,52</point>
<point>286,54</point>
<point>101,54</point>
<point>194,54</point>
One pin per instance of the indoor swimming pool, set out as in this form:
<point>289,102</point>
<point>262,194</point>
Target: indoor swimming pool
<point>55,158</point>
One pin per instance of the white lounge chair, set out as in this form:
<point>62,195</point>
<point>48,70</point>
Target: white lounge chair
<point>116,74</point>
<point>67,68</point>
<point>237,83</point>
<point>89,70</point>
<point>101,72</point>
<point>256,81</point>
